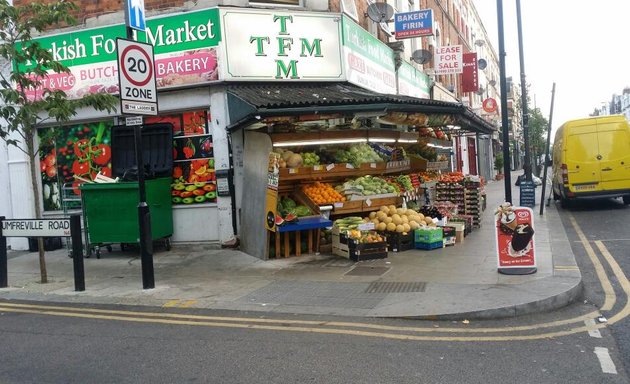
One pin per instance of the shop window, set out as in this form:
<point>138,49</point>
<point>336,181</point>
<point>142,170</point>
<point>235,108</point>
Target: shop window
<point>194,180</point>
<point>69,154</point>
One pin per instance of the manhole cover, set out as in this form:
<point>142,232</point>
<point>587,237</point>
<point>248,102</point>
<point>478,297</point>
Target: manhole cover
<point>367,271</point>
<point>395,287</point>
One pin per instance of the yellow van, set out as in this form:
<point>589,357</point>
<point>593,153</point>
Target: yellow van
<point>591,158</point>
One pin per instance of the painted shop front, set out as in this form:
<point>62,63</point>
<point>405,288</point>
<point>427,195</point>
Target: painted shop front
<point>229,81</point>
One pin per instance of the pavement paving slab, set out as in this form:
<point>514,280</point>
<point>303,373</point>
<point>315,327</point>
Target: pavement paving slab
<point>454,282</point>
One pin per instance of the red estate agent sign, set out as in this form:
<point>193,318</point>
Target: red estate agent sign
<point>515,240</point>
<point>136,76</point>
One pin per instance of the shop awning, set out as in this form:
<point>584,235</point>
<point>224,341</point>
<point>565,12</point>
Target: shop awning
<point>249,103</point>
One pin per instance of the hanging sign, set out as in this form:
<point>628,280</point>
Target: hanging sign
<point>514,229</point>
<point>414,24</point>
<point>448,59</point>
<point>489,105</point>
<point>470,78</point>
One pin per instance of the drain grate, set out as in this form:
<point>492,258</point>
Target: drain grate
<point>367,271</point>
<point>395,287</point>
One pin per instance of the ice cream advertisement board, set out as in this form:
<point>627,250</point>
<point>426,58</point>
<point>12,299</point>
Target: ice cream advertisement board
<point>514,229</point>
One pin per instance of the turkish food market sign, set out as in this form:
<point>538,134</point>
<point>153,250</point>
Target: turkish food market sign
<point>448,59</point>
<point>412,82</point>
<point>369,63</point>
<point>184,47</point>
<point>274,45</point>
<point>413,24</point>
<point>36,227</point>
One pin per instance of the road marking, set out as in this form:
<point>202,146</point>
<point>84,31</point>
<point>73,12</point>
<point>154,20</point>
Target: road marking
<point>593,332</point>
<point>287,322</point>
<point>605,361</point>
<point>179,303</point>
<point>566,267</point>
<point>609,292</point>
<point>170,303</point>
<point>621,278</point>
<point>283,326</point>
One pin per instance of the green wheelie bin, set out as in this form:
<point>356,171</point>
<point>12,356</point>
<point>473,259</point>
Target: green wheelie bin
<point>111,212</point>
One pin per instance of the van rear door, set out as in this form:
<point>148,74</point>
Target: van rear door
<point>581,152</point>
<point>614,148</point>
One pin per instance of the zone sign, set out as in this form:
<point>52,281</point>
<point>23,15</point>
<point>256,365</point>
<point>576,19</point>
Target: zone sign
<point>136,77</point>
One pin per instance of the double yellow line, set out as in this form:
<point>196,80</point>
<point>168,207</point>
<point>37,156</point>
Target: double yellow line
<point>465,334</point>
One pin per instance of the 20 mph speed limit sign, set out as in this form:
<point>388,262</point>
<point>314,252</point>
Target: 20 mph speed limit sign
<point>136,77</point>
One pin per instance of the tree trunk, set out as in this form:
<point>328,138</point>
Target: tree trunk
<point>34,168</point>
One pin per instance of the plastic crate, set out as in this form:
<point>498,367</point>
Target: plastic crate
<point>361,252</point>
<point>430,246</point>
<point>157,151</point>
<point>397,242</point>
<point>428,235</point>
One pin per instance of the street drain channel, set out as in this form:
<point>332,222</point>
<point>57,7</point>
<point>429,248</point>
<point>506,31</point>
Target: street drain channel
<point>367,271</point>
<point>395,287</point>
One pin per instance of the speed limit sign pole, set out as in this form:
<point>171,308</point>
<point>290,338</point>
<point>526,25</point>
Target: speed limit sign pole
<point>138,96</point>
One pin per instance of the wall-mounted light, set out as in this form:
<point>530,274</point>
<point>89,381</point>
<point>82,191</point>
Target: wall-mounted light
<point>407,140</point>
<point>381,140</point>
<point>317,142</point>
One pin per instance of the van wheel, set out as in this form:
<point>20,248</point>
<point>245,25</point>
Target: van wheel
<point>626,199</point>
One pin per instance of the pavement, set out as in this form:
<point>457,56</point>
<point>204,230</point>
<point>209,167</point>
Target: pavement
<point>456,282</point>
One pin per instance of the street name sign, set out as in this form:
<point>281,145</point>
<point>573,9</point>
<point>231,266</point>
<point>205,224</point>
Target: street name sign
<point>136,77</point>
<point>36,227</point>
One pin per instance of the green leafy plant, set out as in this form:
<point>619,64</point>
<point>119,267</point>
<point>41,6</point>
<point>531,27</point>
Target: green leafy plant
<point>27,102</point>
<point>498,162</point>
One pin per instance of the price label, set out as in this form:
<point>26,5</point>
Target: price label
<point>366,226</point>
<point>317,167</point>
<point>338,205</point>
<point>330,166</point>
<point>349,166</point>
<point>292,171</point>
<point>372,165</point>
<point>368,202</point>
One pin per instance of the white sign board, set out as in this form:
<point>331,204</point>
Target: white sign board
<point>136,76</point>
<point>133,120</point>
<point>36,228</point>
<point>280,46</point>
<point>448,60</point>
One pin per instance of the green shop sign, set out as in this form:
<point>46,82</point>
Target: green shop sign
<point>185,53</point>
<point>412,82</point>
<point>368,61</point>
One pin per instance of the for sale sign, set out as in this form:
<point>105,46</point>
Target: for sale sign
<point>448,59</point>
<point>514,229</point>
<point>136,76</point>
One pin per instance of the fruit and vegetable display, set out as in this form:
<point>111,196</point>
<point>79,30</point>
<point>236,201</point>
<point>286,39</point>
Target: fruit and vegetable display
<point>365,237</point>
<point>365,186</point>
<point>309,159</point>
<point>452,177</point>
<point>431,211</point>
<point>322,193</point>
<point>288,206</point>
<point>289,159</point>
<point>400,220</point>
<point>348,223</point>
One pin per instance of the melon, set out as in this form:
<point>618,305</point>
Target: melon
<point>376,222</point>
<point>406,227</point>
<point>401,211</point>
<point>414,225</point>
<point>384,209</point>
<point>388,220</point>
<point>411,212</point>
<point>428,220</point>
<point>286,155</point>
<point>381,216</point>
<point>391,227</point>
<point>294,161</point>
<point>392,209</point>
<point>396,219</point>
<point>381,227</point>
<point>372,215</point>
<point>421,216</point>
<point>404,218</point>
<point>400,229</point>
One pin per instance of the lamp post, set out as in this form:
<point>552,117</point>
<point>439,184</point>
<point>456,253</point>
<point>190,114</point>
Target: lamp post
<point>504,116</point>
<point>528,163</point>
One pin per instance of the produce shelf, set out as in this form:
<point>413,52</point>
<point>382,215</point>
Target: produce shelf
<point>318,172</point>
